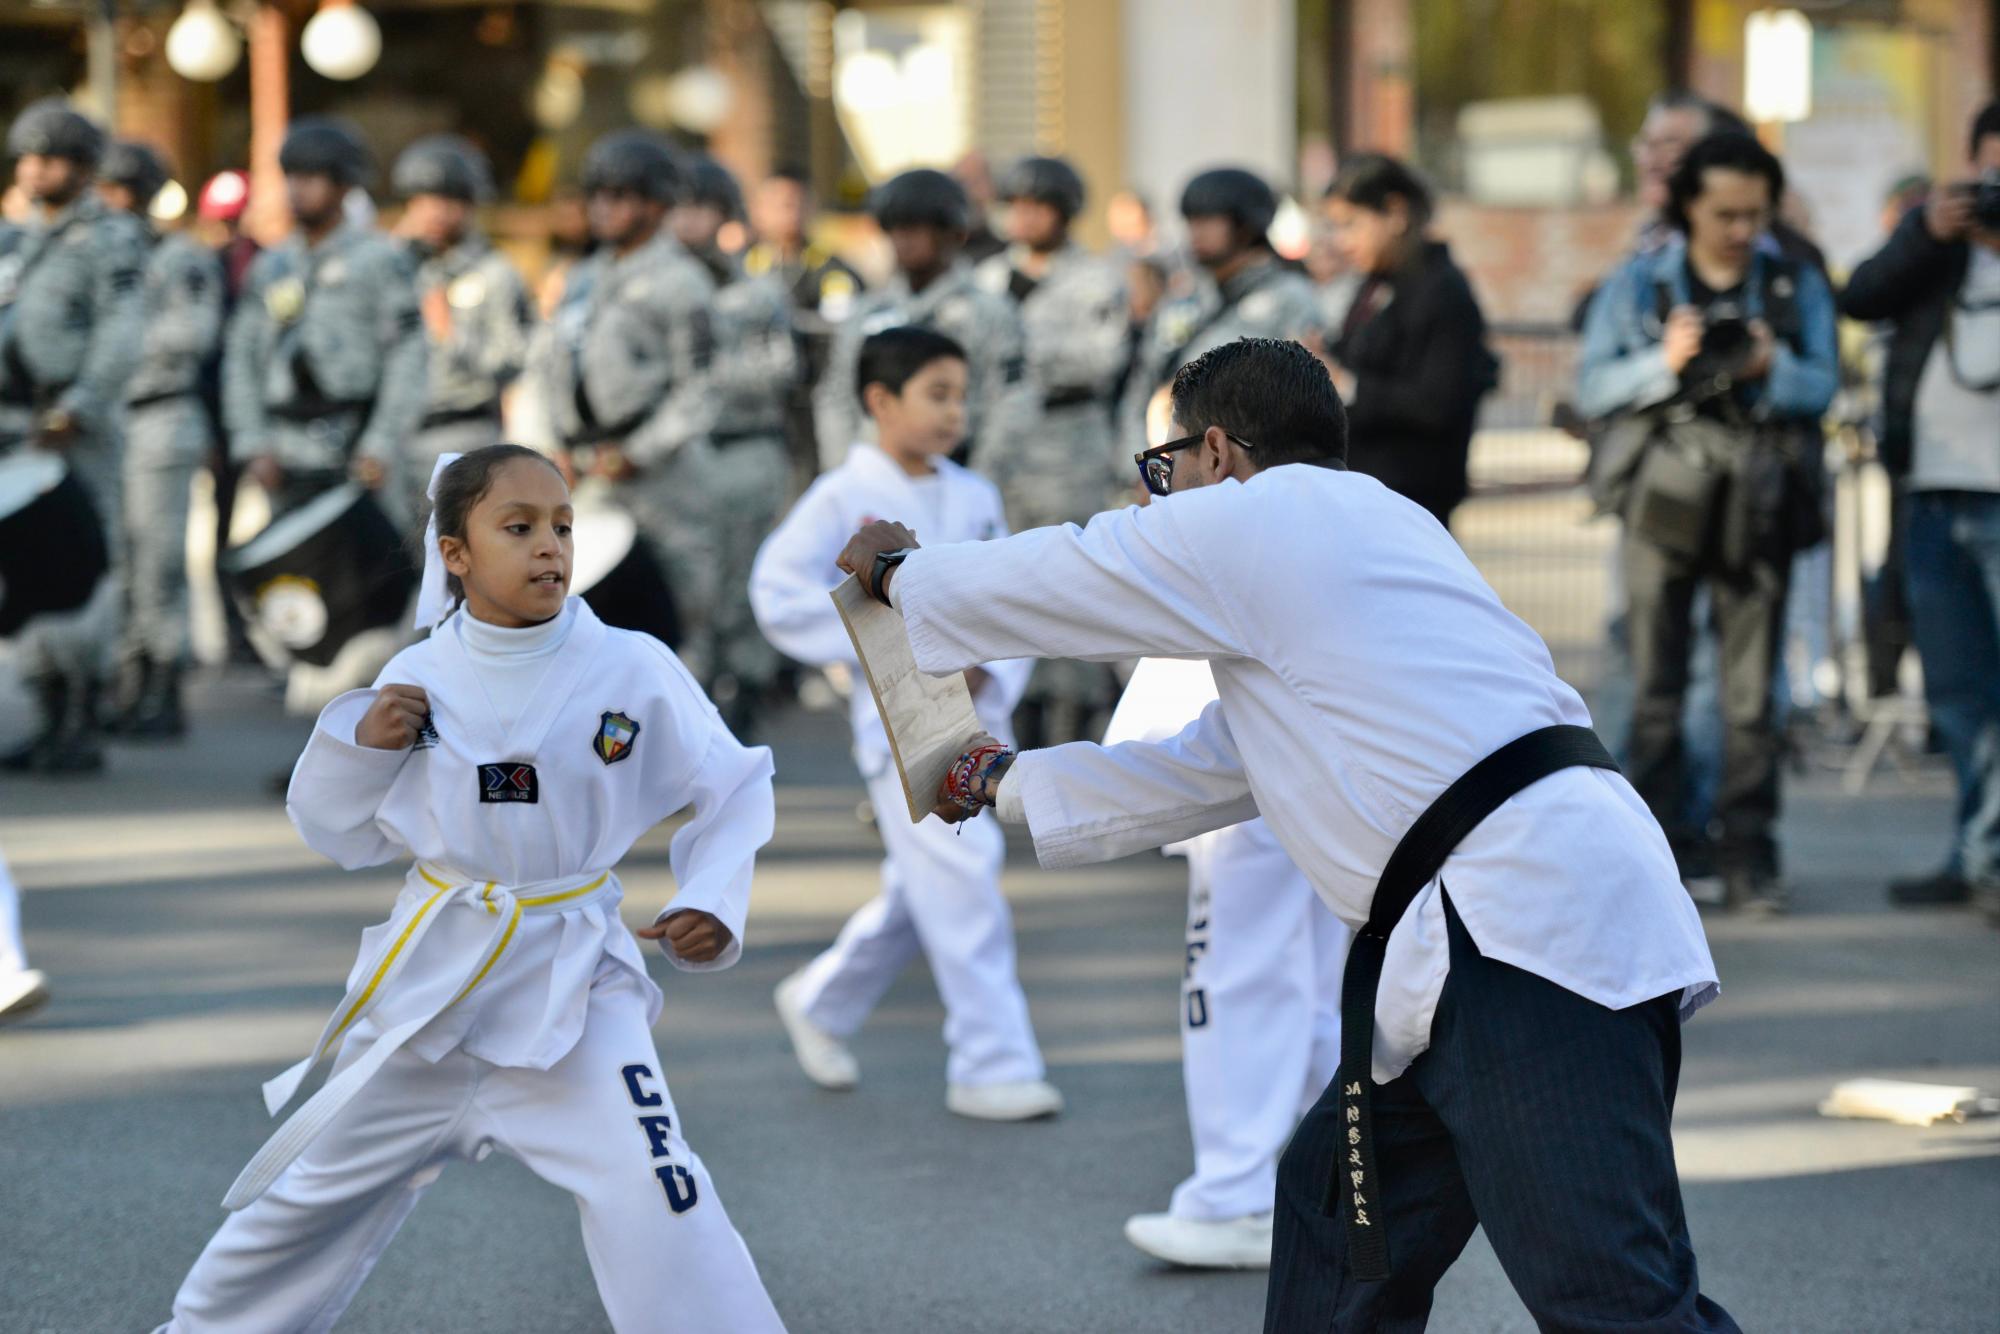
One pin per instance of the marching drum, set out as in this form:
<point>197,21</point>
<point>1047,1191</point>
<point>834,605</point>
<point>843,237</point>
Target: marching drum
<point>615,571</point>
<point>320,575</point>
<point>52,548</point>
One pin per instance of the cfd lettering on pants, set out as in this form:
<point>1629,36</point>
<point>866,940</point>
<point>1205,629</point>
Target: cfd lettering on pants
<point>658,1129</point>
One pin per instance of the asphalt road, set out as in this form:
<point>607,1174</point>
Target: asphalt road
<point>195,946</point>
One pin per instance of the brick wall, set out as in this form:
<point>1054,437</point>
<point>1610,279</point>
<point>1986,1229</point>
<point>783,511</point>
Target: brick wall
<point>1532,264</point>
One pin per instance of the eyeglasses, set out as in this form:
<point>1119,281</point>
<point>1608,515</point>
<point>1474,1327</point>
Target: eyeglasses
<point>1156,465</point>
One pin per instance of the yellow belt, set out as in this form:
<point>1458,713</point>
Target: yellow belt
<point>507,905</point>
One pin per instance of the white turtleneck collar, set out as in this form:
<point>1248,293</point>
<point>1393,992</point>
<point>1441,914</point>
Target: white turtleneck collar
<point>509,665</point>
<point>484,640</point>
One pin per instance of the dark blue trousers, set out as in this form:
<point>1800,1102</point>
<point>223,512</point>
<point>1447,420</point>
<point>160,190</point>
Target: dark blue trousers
<point>1541,1116</point>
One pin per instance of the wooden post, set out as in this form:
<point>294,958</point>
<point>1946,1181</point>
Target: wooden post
<point>269,216</point>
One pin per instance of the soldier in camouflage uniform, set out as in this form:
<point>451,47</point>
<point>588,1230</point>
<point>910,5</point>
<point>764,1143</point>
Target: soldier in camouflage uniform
<point>926,215</point>
<point>1067,466</point>
<point>167,438</point>
<point>755,365</point>
<point>324,370</point>
<point>70,324</point>
<point>626,374</point>
<point>1243,291</point>
<point>474,304</point>
<point>1074,310</point>
<point>823,288</point>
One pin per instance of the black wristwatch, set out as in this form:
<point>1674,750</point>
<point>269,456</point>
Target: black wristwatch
<point>885,561</point>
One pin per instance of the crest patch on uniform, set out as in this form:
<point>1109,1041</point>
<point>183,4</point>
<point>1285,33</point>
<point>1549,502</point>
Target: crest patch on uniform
<point>508,782</point>
<point>617,733</point>
<point>427,735</point>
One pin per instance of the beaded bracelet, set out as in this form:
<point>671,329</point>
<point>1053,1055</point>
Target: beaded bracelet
<point>970,768</point>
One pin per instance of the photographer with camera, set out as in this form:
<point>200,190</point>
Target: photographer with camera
<point>1709,361</point>
<point>1938,280</point>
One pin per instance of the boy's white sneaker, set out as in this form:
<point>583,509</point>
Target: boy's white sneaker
<point>21,992</point>
<point>1226,1243</point>
<point>1021,1100</point>
<point>824,1057</point>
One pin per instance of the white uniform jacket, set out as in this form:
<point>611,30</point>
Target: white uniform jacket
<point>794,572</point>
<point>616,738</point>
<point>1362,666</point>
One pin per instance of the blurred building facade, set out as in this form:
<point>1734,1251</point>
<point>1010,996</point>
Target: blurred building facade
<point>1521,109</point>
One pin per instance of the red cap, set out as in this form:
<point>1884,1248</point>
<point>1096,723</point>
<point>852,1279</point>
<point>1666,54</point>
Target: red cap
<point>225,196</point>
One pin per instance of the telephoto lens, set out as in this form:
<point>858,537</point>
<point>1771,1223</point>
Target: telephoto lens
<point>1986,200</point>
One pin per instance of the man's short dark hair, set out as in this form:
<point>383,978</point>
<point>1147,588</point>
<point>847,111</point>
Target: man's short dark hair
<point>893,357</point>
<point>1985,123</point>
<point>1721,151</point>
<point>793,172</point>
<point>1371,180</point>
<point>1273,394</point>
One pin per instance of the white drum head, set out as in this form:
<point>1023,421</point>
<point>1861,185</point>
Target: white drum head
<point>25,477</point>
<point>604,535</point>
<point>288,531</point>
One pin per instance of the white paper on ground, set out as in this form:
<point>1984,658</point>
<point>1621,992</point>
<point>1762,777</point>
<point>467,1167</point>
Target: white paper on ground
<point>1904,1102</point>
<point>930,719</point>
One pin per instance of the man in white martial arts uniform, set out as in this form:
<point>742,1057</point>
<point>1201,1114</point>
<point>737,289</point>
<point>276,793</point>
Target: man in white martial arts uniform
<point>1511,1006</point>
<point>940,886</point>
<point>1260,1006</point>
<point>21,988</point>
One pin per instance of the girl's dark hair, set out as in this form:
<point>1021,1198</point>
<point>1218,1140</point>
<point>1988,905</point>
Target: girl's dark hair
<point>1722,150</point>
<point>464,484</point>
<point>893,357</point>
<point>1370,180</point>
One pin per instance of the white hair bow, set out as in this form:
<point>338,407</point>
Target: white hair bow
<point>433,599</point>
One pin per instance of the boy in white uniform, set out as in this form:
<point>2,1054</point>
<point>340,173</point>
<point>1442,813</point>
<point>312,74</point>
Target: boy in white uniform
<point>518,752</point>
<point>1260,1005</point>
<point>940,889</point>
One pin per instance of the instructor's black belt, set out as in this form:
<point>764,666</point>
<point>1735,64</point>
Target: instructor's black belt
<point>485,412</point>
<point>1355,1189</point>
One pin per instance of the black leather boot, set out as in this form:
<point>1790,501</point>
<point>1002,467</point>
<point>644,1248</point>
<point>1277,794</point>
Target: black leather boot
<point>135,682</point>
<point>159,712</point>
<point>52,697</point>
<point>77,748</point>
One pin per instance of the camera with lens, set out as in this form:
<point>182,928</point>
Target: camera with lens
<point>1985,192</point>
<point>1726,347</point>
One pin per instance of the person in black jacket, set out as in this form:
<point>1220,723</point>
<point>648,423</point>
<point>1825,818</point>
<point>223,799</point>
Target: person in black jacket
<point>1938,279</point>
<point>1410,359</point>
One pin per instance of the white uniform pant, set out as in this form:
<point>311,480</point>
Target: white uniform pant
<point>941,896</point>
<point>599,1123</point>
<point>13,956</point>
<point>1260,1015</point>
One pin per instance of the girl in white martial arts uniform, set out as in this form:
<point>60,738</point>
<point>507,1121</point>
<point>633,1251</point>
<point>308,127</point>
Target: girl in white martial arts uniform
<point>518,752</point>
<point>940,889</point>
<point>1260,1005</point>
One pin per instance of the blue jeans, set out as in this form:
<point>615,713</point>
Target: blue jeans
<point>1952,570</point>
